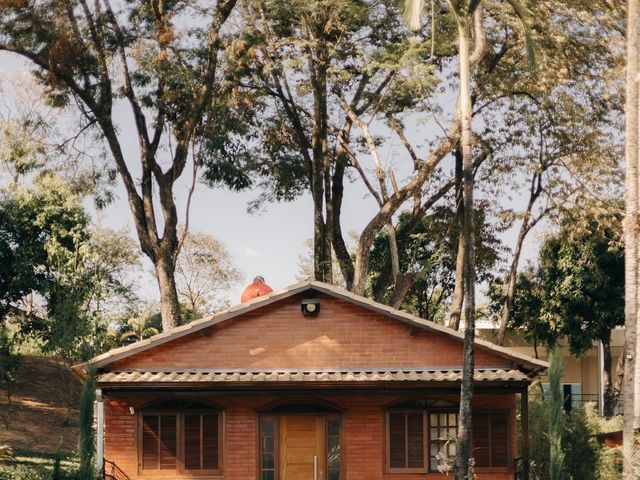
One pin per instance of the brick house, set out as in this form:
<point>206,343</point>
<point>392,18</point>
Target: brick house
<point>306,383</point>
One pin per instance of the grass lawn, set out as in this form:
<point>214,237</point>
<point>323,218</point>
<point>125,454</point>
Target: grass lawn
<point>36,466</point>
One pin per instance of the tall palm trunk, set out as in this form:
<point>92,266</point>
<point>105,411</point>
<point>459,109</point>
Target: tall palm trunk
<point>455,309</point>
<point>466,392</point>
<point>631,406</point>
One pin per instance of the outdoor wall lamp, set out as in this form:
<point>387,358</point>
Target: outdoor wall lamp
<point>310,307</point>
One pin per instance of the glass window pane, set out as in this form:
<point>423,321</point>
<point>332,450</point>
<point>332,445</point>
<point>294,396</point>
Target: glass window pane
<point>268,475</point>
<point>334,475</point>
<point>267,427</point>
<point>453,419</point>
<point>433,419</point>
<point>267,460</point>
<point>333,427</point>
<point>267,444</point>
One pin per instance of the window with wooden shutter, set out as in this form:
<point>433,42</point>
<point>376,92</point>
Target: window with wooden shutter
<point>491,439</point>
<point>406,441</point>
<point>183,437</point>
<point>159,442</point>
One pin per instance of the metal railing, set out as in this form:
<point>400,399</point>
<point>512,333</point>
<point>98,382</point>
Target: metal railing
<point>574,400</point>
<point>110,471</point>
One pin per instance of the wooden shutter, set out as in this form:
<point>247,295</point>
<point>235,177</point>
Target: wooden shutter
<point>415,440</point>
<point>168,442</point>
<point>159,442</point>
<point>210,442</point>
<point>397,440</point>
<point>192,447</point>
<point>406,440</point>
<point>491,439</point>
<point>499,439</point>
<point>201,441</point>
<point>481,440</point>
<point>150,454</point>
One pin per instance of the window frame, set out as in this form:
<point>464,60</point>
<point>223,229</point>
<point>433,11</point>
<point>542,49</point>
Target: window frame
<point>425,441</point>
<point>426,411</point>
<point>180,469</point>
<point>509,416</point>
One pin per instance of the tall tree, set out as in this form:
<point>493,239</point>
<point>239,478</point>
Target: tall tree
<point>468,17</point>
<point>631,237</point>
<point>577,289</point>
<point>204,272</point>
<point>170,79</point>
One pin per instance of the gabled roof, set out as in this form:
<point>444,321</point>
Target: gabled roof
<point>525,362</point>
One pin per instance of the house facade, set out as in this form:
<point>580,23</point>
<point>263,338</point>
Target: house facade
<point>307,383</point>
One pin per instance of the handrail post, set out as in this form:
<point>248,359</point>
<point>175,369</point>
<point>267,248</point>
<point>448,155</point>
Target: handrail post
<point>524,408</point>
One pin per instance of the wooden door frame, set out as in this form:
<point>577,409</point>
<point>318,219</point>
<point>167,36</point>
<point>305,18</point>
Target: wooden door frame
<point>276,416</point>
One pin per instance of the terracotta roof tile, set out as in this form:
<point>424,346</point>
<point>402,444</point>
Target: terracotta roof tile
<point>275,376</point>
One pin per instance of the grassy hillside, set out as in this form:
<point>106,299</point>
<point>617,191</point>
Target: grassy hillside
<point>43,415</point>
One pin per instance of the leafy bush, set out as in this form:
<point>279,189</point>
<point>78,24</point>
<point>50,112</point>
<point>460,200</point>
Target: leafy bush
<point>23,472</point>
<point>588,460</point>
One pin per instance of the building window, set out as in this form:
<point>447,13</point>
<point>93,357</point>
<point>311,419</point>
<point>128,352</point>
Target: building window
<point>406,440</point>
<point>268,437</point>
<point>333,449</point>
<point>491,439</point>
<point>420,436</point>
<point>443,428</point>
<point>181,437</point>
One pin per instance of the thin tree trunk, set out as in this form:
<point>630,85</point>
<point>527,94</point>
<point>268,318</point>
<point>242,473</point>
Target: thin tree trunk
<point>526,225</point>
<point>464,469</point>
<point>339,247</point>
<point>631,412</point>
<point>607,377</point>
<point>455,310</point>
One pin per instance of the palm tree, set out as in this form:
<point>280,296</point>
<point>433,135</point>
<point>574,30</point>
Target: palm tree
<point>468,16</point>
<point>631,399</point>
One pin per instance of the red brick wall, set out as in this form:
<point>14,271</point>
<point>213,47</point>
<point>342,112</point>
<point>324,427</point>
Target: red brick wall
<point>279,336</point>
<point>363,435</point>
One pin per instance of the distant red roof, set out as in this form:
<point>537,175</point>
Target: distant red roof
<point>255,290</point>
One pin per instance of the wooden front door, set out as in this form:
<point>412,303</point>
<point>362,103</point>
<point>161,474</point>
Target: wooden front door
<point>301,442</point>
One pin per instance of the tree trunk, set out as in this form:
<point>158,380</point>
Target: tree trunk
<point>169,303</point>
<point>631,407</point>
<point>464,468</point>
<point>607,376</point>
<point>338,243</point>
<point>617,389</point>
<point>525,227</point>
<point>455,310</point>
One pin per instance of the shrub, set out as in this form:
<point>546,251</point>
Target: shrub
<point>588,460</point>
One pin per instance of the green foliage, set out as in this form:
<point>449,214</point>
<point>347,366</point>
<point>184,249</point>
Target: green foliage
<point>86,440</point>
<point>76,273</point>
<point>585,459</point>
<point>556,416</point>
<point>576,290</point>
<point>428,251</point>
<point>285,55</point>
